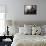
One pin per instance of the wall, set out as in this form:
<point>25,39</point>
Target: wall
<point>15,9</point>
<point>41,15</point>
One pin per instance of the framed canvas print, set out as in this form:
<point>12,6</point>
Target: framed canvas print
<point>32,9</point>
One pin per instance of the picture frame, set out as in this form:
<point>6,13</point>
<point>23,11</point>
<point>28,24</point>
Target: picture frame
<point>30,9</point>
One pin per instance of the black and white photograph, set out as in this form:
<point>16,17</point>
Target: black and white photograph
<point>32,9</point>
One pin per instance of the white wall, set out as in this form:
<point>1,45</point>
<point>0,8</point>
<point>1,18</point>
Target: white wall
<point>15,9</point>
<point>41,10</point>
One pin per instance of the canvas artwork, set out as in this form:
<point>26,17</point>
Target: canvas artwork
<point>32,9</point>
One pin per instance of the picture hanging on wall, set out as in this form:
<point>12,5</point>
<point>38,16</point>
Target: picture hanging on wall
<point>32,9</point>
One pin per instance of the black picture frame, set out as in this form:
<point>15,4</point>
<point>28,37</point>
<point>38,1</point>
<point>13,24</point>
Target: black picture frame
<point>30,9</point>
